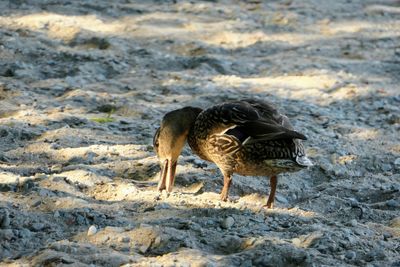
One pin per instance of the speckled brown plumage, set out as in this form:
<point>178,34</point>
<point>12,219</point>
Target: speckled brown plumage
<point>247,137</point>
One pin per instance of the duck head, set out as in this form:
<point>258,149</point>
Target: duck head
<point>169,140</point>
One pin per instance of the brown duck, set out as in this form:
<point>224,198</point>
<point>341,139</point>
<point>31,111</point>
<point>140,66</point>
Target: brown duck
<point>248,137</point>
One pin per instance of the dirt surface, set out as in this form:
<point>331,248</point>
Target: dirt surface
<point>84,85</point>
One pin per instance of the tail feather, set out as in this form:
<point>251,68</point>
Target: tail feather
<point>304,161</point>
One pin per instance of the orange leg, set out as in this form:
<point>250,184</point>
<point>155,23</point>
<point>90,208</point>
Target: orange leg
<point>225,189</point>
<point>163,176</point>
<point>171,177</point>
<point>273,180</point>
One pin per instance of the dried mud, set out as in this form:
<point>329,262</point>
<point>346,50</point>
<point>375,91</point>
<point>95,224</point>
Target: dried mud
<point>84,84</point>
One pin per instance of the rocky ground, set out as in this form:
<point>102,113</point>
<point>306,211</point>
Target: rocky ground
<point>84,85</point>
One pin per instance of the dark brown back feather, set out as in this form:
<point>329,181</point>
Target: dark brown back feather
<point>256,119</point>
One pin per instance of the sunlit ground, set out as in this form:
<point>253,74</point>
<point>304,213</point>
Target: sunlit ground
<point>66,164</point>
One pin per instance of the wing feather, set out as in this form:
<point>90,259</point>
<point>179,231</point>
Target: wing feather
<point>258,120</point>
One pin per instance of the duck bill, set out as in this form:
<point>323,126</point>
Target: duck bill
<point>167,176</point>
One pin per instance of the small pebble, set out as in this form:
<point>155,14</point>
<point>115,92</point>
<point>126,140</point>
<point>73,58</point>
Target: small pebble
<point>281,199</point>
<point>387,235</point>
<point>36,227</point>
<point>143,248</point>
<point>162,206</point>
<point>286,224</point>
<point>43,193</point>
<point>353,222</point>
<point>55,146</point>
<point>124,249</point>
<point>125,239</point>
<point>40,176</point>
<point>56,214</point>
<point>351,255</point>
<point>56,168</point>
<point>36,203</point>
<point>195,226</point>
<point>227,223</point>
<point>57,178</point>
<point>359,232</point>
<point>157,241</point>
<point>397,163</point>
<point>92,230</point>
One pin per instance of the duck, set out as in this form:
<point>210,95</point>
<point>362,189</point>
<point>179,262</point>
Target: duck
<point>248,137</point>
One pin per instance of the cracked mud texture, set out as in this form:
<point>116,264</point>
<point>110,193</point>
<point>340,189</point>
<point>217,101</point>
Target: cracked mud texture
<point>84,85</point>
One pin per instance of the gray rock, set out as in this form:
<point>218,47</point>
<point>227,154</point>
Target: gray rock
<point>199,163</point>
<point>353,202</point>
<point>387,235</point>
<point>359,232</point>
<point>227,223</point>
<point>351,255</point>
<point>25,233</point>
<point>36,203</point>
<point>281,199</point>
<point>125,239</point>
<point>7,187</point>
<point>162,206</point>
<point>44,192</point>
<point>231,244</point>
<point>90,156</point>
<point>124,249</point>
<point>376,254</point>
<point>55,146</point>
<point>210,222</point>
<point>4,219</point>
<point>5,253</point>
<point>143,248</point>
<point>392,203</point>
<point>36,227</point>
<point>81,220</point>
<point>286,224</point>
<point>195,226</point>
<point>6,234</point>
<point>397,163</point>
<point>386,167</point>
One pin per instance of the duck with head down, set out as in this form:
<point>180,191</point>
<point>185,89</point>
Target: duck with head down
<point>248,137</point>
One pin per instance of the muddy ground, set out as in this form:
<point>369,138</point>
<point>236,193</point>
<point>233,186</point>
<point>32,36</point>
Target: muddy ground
<point>84,85</point>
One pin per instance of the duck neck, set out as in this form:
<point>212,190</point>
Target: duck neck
<point>188,119</point>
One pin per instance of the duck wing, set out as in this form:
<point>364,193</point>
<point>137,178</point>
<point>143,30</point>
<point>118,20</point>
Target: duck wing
<point>258,120</point>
